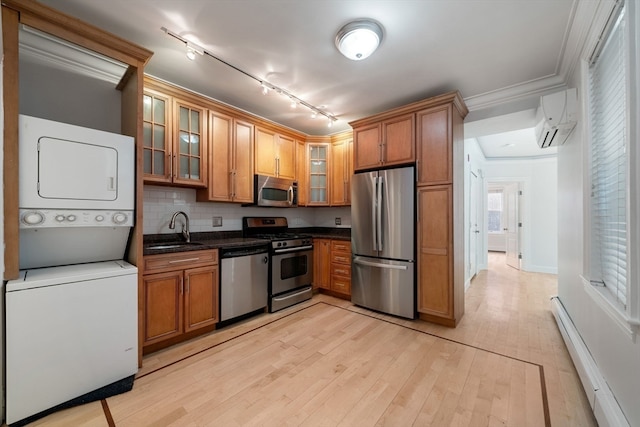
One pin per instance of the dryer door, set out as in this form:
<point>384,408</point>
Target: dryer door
<point>76,170</point>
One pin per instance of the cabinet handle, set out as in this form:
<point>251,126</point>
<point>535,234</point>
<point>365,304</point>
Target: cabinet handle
<point>176,261</point>
<point>175,166</point>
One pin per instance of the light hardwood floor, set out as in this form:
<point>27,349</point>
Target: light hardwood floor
<point>326,362</point>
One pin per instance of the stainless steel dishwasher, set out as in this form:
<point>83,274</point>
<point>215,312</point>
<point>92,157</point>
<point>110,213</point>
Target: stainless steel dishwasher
<point>244,280</point>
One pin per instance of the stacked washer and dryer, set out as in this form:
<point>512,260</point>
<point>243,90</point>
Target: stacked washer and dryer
<point>72,315</point>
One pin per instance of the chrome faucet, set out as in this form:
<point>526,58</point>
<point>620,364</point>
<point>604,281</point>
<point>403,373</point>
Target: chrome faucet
<point>185,227</point>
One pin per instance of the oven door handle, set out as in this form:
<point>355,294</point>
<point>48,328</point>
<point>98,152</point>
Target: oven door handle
<point>296,249</point>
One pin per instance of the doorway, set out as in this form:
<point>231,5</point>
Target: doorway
<point>504,224</point>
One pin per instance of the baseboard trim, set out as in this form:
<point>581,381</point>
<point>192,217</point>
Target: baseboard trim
<point>603,403</point>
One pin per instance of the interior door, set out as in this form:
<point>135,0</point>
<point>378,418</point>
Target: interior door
<point>512,228</point>
<point>474,229</point>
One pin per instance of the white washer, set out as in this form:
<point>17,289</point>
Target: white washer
<point>70,330</point>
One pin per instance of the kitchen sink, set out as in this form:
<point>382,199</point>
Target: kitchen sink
<point>172,245</point>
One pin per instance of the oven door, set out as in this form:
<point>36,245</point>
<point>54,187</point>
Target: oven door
<point>291,269</point>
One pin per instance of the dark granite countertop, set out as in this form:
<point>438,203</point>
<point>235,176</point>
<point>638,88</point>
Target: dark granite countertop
<point>326,232</point>
<point>200,241</point>
<point>227,239</point>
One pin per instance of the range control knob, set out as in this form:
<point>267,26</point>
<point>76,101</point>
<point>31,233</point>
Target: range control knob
<point>99,218</point>
<point>119,218</point>
<point>284,243</point>
<point>279,244</point>
<point>59,218</point>
<point>71,218</point>
<point>33,218</point>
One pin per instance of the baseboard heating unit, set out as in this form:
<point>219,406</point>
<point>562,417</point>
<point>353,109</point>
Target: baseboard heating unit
<point>603,404</point>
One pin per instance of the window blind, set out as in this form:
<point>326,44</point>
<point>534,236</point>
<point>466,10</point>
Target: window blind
<point>608,114</point>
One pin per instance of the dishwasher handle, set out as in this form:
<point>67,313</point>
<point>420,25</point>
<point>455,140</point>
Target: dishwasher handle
<point>242,251</point>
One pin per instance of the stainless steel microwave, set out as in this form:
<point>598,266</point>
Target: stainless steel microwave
<point>275,192</point>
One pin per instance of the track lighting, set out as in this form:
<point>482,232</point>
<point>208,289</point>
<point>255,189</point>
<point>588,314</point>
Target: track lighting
<point>193,49</point>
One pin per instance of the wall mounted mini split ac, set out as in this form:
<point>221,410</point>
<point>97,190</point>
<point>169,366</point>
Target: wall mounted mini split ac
<point>556,117</point>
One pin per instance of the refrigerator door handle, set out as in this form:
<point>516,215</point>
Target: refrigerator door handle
<point>380,265</point>
<point>379,213</point>
<point>374,220</point>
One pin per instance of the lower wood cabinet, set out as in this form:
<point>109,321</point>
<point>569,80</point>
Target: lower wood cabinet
<point>322,263</point>
<point>341,267</point>
<point>440,298</point>
<point>179,302</point>
<point>332,266</point>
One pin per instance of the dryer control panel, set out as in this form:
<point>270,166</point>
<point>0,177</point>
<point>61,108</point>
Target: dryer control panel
<point>61,218</point>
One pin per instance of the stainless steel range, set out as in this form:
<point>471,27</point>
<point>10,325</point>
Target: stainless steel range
<point>291,266</point>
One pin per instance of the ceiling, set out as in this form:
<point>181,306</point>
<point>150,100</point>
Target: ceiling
<point>500,54</point>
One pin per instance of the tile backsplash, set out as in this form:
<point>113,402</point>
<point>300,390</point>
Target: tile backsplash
<point>161,202</point>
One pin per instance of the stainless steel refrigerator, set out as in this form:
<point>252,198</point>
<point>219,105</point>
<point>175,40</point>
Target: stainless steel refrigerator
<point>383,241</point>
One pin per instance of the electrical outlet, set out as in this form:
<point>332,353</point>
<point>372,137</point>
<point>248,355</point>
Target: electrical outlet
<point>217,221</point>
<point>338,220</point>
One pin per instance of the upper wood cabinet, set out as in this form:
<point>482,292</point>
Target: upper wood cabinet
<point>174,144</point>
<point>275,154</point>
<point>318,174</point>
<point>434,144</point>
<point>384,143</point>
<point>230,161</point>
<point>301,173</point>
<point>341,170</point>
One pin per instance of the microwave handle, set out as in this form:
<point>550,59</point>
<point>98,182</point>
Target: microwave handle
<point>290,195</point>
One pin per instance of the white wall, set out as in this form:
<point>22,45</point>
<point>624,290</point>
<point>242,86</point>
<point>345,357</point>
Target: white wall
<point>538,208</point>
<point>161,202</point>
<point>616,353</point>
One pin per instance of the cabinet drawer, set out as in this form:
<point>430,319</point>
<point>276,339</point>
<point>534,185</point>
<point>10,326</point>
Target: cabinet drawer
<point>340,257</point>
<point>180,260</point>
<point>341,284</point>
<point>341,270</point>
<point>341,246</point>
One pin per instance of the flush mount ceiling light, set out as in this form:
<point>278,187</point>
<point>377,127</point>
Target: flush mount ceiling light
<point>358,39</point>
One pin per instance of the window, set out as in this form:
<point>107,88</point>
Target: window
<point>495,205</point>
<point>608,114</point>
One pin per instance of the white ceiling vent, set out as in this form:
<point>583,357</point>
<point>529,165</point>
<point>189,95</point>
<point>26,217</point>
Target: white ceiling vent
<point>556,117</point>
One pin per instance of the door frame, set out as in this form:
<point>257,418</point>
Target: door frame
<point>524,213</point>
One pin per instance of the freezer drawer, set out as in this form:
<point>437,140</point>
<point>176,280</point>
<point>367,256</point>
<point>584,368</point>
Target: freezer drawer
<point>384,285</point>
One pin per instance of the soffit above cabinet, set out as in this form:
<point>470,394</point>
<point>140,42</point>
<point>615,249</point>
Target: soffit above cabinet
<point>44,49</point>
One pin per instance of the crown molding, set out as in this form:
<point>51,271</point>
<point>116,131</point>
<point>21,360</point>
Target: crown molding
<point>584,27</point>
<point>46,49</point>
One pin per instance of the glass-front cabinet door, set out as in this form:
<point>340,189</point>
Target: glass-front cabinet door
<point>156,133</point>
<point>318,179</point>
<point>189,146</point>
